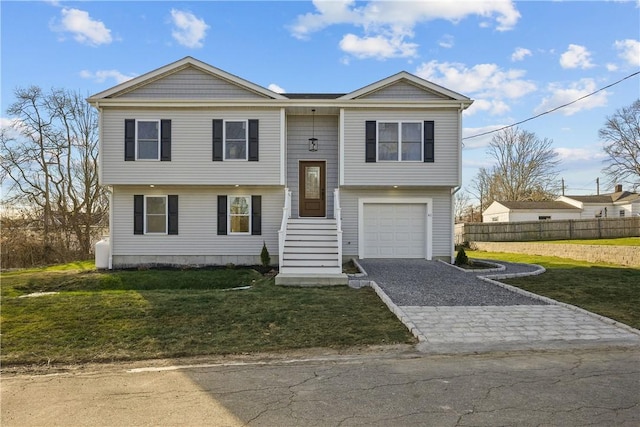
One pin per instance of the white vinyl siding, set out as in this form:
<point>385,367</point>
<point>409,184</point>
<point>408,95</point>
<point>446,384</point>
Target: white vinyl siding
<point>443,171</point>
<point>198,223</point>
<point>403,91</point>
<point>191,83</point>
<point>191,159</point>
<point>442,238</point>
<point>298,133</point>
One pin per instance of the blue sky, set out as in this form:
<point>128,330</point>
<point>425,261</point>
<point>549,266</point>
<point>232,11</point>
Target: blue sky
<point>515,59</point>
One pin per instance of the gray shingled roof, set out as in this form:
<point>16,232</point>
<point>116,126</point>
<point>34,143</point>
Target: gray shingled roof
<point>313,95</point>
<point>546,205</point>
<point>620,196</point>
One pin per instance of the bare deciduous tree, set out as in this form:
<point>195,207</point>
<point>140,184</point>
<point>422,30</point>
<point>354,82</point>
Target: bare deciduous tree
<point>525,169</point>
<point>621,136</point>
<point>49,165</point>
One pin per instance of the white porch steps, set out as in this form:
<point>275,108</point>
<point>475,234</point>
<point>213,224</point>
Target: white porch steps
<point>310,255</point>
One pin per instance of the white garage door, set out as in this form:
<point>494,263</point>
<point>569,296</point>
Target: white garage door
<point>394,230</point>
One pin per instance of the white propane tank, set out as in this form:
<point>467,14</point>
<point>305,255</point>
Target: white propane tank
<point>102,254</point>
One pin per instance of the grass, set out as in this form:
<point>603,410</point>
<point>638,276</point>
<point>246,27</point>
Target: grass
<point>623,241</point>
<point>606,289</point>
<point>134,315</point>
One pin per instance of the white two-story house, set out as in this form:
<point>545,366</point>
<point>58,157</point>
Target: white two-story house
<point>205,167</point>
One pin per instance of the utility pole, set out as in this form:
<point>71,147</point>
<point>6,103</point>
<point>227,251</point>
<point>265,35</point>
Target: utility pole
<point>563,186</point>
<point>598,186</point>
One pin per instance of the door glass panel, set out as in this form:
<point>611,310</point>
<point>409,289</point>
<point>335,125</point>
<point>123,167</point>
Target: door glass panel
<point>312,182</point>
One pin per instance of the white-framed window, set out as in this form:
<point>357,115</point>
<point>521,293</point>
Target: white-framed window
<point>155,215</point>
<point>621,213</point>
<point>239,214</point>
<point>400,141</point>
<point>148,139</point>
<point>236,140</point>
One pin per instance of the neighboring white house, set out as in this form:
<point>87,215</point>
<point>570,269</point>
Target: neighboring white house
<point>529,211</point>
<point>612,205</point>
<point>204,167</point>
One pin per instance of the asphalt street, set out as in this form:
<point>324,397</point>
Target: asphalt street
<point>382,387</point>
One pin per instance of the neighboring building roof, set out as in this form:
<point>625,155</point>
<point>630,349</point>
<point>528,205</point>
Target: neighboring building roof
<point>544,205</point>
<point>620,196</point>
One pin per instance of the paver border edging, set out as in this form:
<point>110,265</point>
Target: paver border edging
<point>498,267</point>
<point>548,300</point>
<point>493,278</point>
<point>397,311</point>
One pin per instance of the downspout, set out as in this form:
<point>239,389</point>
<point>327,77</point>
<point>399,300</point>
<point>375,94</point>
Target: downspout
<point>457,187</point>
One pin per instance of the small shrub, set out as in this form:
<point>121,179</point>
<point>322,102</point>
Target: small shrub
<point>230,266</point>
<point>264,255</point>
<point>461,257</point>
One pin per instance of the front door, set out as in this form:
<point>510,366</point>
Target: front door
<point>312,189</point>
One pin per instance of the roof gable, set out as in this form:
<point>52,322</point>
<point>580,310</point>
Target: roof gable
<point>187,78</point>
<point>403,85</point>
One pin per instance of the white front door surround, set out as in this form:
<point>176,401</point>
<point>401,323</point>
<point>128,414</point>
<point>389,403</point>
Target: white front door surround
<point>395,227</point>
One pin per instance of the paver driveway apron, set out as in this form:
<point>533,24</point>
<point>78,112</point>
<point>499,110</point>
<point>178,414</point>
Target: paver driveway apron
<point>450,310</point>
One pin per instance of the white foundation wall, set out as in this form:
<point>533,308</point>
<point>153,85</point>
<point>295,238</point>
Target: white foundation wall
<point>197,242</point>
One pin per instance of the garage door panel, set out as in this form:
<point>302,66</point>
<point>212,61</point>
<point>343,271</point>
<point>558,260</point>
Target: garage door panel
<point>394,230</point>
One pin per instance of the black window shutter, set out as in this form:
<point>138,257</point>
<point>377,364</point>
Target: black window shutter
<point>217,140</point>
<point>173,214</point>
<point>256,215</point>
<point>165,140</point>
<point>253,140</point>
<point>138,214</point>
<point>429,141</point>
<point>370,141</point>
<point>129,139</point>
<point>222,215</point>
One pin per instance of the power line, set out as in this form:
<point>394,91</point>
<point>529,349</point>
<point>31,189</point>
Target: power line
<point>554,109</point>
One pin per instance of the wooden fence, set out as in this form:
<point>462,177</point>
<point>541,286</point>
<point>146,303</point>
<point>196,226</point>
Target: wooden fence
<point>596,228</point>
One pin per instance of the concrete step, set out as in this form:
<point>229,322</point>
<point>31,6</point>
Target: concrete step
<point>311,279</point>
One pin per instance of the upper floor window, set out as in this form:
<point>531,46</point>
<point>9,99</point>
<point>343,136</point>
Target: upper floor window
<point>148,139</point>
<point>400,141</point>
<point>235,140</point>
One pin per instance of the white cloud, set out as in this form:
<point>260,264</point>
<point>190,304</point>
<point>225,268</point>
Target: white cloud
<point>84,29</point>
<point>102,75</point>
<point>275,88</point>
<point>563,95</point>
<point>571,154</point>
<point>447,41</point>
<point>629,50</point>
<point>488,83</point>
<point>189,30</point>
<point>576,56</point>
<point>612,67</point>
<point>388,24</point>
<point>379,47</point>
<point>519,54</point>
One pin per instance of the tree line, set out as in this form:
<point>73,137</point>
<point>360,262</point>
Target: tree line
<point>53,206</point>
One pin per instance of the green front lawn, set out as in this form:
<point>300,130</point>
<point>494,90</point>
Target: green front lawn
<point>130,315</point>
<point>606,289</point>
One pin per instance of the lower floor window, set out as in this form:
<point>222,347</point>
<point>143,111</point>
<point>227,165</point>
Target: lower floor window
<point>239,214</point>
<point>155,214</point>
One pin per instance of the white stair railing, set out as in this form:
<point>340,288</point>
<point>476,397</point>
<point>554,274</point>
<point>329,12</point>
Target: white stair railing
<point>337,214</point>
<point>282,233</point>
